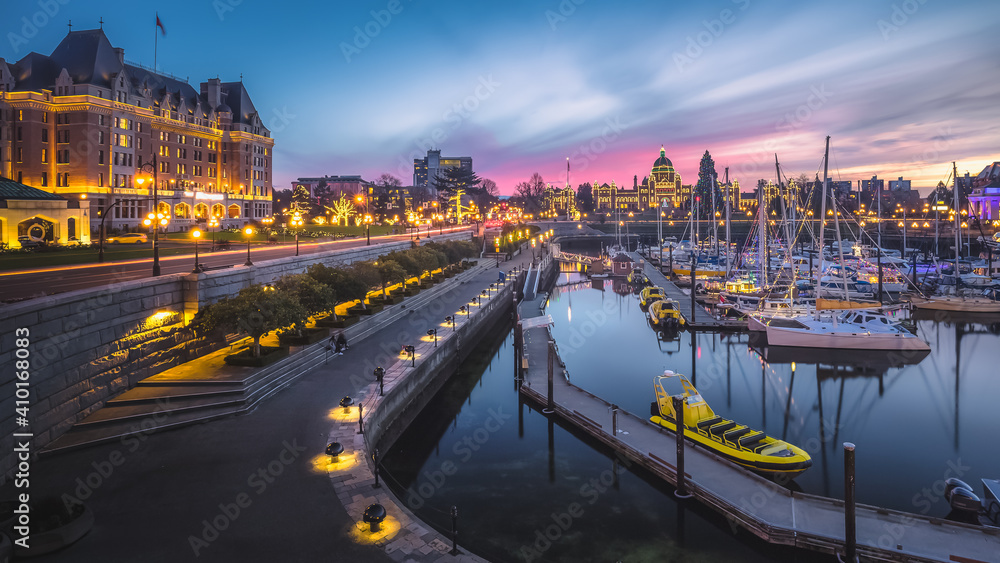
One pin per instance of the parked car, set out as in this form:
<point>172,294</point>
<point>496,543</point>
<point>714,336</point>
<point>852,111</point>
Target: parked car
<point>128,238</point>
<point>27,242</point>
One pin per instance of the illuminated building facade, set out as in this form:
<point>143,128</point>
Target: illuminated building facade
<point>666,183</point>
<point>559,200</point>
<point>339,185</point>
<point>82,121</point>
<point>426,169</point>
<point>984,199</point>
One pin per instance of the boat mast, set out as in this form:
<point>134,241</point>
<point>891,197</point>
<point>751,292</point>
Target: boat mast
<point>836,227</point>
<point>715,224</point>
<point>789,232</point>
<point>957,196</point>
<point>761,237</point>
<point>728,193</point>
<point>822,218</point>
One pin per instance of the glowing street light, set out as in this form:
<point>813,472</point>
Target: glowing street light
<point>196,234</point>
<point>296,222</point>
<point>249,233</point>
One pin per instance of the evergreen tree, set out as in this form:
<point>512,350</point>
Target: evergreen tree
<point>302,200</point>
<point>705,189</point>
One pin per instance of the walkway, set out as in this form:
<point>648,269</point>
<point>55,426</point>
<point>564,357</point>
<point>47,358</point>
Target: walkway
<point>170,496</point>
<point>702,320</point>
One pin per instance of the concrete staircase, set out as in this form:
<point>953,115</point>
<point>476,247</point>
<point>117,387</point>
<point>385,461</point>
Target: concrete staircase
<point>214,390</point>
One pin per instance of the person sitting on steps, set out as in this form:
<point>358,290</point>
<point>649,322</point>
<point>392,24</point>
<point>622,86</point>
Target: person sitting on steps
<point>341,343</point>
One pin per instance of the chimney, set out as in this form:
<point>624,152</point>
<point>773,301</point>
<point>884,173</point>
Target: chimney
<point>121,54</point>
<point>213,92</point>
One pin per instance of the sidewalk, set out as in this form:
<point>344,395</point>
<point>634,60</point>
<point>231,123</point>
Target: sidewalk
<point>252,487</point>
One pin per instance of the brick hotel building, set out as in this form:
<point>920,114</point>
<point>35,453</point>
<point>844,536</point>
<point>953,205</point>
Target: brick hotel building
<point>82,122</point>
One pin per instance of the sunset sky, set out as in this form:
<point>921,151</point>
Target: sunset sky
<point>902,87</point>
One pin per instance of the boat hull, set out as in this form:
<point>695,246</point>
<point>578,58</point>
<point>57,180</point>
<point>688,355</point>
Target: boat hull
<point>771,465</point>
<point>781,336</point>
<point>957,304</point>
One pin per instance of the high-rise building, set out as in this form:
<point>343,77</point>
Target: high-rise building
<point>82,123</point>
<point>426,169</point>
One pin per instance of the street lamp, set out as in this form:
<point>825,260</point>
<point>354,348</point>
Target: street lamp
<point>413,356</point>
<point>433,332</point>
<point>212,223</point>
<point>368,229</point>
<point>196,234</point>
<point>297,222</point>
<point>141,179</point>
<point>450,320</point>
<point>249,233</point>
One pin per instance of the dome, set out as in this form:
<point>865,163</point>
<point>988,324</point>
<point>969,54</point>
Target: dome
<point>663,162</point>
<point>223,108</point>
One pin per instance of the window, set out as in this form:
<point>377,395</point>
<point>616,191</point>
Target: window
<point>20,115</point>
<point>45,135</point>
<point>19,133</point>
<point>100,157</point>
<point>138,144</point>
<point>19,159</point>
<point>100,179</point>
<point>45,156</point>
<point>19,177</point>
<point>100,137</point>
<point>45,179</point>
<point>100,119</point>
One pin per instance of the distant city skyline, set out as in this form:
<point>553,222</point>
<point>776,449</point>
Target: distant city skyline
<point>902,87</point>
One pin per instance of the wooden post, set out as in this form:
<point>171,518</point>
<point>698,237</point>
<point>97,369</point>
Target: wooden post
<point>551,403</point>
<point>850,523</point>
<point>681,491</point>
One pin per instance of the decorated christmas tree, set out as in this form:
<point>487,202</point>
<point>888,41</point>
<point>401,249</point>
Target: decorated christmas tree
<point>705,189</point>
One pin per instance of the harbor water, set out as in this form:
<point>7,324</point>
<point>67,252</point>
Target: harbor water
<point>530,490</point>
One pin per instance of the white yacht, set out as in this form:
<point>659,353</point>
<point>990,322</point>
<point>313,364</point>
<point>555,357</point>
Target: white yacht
<point>854,329</point>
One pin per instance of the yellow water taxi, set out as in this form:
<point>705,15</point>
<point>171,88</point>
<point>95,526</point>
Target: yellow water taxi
<point>636,277</point>
<point>738,443</point>
<point>665,313</point>
<point>651,294</point>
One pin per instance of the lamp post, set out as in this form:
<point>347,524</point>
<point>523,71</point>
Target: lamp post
<point>413,356</point>
<point>296,222</point>
<point>100,248</point>
<point>213,222</point>
<point>368,229</point>
<point>155,215</point>
<point>196,234</point>
<point>450,320</point>
<point>433,332</point>
<point>249,233</point>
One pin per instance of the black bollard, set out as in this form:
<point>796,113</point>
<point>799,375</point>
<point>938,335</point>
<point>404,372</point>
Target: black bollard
<point>380,376</point>
<point>850,523</point>
<point>361,419</point>
<point>614,421</point>
<point>375,459</point>
<point>681,491</point>
<point>454,530</point>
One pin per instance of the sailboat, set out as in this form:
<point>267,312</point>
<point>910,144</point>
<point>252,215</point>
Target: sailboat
<point>832,329</point>
<point>958,303</point>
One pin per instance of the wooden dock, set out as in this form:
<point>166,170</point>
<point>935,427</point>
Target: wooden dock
<point>745,499</point>
<point>702,320</point>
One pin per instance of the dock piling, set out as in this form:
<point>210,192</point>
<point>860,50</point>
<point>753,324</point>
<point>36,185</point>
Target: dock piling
<point>614,421</point>
<point>681,491</point>
<point>550,407</point>
<point>361,419</point>
<point>375,457</point>
<point>850,523</point>
<point>454,530</point>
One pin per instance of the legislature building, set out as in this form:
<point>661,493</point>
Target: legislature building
<point>85,124</point>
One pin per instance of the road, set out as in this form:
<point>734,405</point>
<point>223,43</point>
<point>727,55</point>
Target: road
<point>38,282</point>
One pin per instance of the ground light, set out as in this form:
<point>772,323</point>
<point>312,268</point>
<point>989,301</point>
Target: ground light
<point>346,402</point>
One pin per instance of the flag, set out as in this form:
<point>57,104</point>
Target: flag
<point>159,24</point>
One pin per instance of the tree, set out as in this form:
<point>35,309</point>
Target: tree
<point>315,297</point>
<point>389,272</point>
<point>302,200</point>
<point>281,199</point>
<point>585,198</point>
<point>346,286</point>
<point>490,187</point>
<point>451,179</point>
<point>343,208</point>
<point>368,275</point>
<point>532,190</point>
<point>705,188</point>
<point>323,194</point>
<point>254,311</point>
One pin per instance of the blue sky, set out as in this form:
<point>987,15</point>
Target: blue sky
<point>903,87</point>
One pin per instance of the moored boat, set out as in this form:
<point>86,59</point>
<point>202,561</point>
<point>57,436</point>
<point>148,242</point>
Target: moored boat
<point>665,313</point>
<point>736,442</point>
<point>651,294</point>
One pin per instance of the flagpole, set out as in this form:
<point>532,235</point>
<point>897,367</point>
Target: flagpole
<point>156,38</point>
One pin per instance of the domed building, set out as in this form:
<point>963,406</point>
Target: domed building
<point>665,182</point>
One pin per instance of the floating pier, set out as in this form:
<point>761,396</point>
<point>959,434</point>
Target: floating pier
<point>702,319</point>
